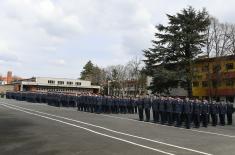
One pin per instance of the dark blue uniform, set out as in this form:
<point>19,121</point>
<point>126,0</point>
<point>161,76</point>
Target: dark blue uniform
<point>196,113</point>
<point>187,111</point>
<point>214,113</point>
<point>178,109</point>
<point>147,107</point>
<point>230,111</point>
<point>140,105</point>
<point>169,111</point>
<point>155,108</point>
<point>162,110</point>
<point>204,114</point>
<point>222,112</point>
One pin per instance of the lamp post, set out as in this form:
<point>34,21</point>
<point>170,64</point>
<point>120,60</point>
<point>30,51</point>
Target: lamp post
<point>108,87</point>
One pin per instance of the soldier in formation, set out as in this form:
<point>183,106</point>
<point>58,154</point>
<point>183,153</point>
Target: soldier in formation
<point>165,110</point>
<point>178,112</point>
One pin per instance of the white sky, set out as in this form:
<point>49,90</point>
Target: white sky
<point>57,37</point>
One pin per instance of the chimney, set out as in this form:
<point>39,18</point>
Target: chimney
<point>9,77</point>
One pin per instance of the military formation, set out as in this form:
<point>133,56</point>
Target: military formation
<point>179,112</point>
<point>84,102</point>
<point>164,110</point>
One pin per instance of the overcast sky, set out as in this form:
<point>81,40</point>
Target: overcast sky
<point>57,37</point>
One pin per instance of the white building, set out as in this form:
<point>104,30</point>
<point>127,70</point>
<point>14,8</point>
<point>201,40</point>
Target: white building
<point>48,84</point>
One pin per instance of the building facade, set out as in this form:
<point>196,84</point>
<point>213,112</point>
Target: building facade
<point>214,78</point>
<point>8,79</point>
<point>47,84</point>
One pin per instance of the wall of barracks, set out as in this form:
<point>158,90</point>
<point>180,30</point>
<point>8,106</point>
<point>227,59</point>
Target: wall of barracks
<point>215,77</point>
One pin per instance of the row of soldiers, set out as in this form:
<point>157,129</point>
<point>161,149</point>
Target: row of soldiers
<point>84,102</point>
<point>175,111</point>
<point>165,110</point>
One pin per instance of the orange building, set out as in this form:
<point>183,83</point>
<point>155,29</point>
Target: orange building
<point>214,78</point>
<point>9,78</point>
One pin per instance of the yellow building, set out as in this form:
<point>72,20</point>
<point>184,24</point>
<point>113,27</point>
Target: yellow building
<point>214,78</point>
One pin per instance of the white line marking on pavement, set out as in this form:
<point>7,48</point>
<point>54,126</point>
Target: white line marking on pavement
<point>126,134</point>
<point>129,119</point>
<point>200,131</point>
<point>98,133</point>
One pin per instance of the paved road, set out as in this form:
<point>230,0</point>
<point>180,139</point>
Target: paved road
<point>39,129</point>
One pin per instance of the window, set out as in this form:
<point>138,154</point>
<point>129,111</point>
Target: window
<point>196,69</point>
<point>229,66</point>
<point>197,77</point>
<point>78,83</point>
<point>51,81</point>
<point>195,84</point>
<point>229,82</point>
<point>205,68</point>
<point>60,82</point>
<point>204,83</point>
<point>216,68</point>
<point>216,84</point>
<point>69,83</point>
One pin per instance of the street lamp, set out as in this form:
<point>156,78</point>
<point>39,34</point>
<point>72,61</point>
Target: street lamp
<point>108,86</point>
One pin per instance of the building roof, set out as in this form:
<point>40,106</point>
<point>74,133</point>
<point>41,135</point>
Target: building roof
<point>44,81</point>
<point>228,57</point>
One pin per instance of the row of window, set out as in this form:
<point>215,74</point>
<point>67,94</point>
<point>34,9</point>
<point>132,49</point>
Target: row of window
<point>216,68</point>
<point>228,82</point>
<point>63,90</point>
<point>62,82</point>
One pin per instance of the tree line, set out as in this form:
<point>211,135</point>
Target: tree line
<point>116,79</point>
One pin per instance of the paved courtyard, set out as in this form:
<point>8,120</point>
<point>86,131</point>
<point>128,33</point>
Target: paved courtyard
<point>39,129</point>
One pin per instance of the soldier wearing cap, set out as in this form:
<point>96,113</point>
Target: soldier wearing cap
<point>140,105</point>
<point>162,109</point>
<point>196,113</point>
<point>155,109</point>
<point>214,113</point>
<point>178,111</point>
<point>222,112</point>
<point>147,107</point>
<point>187,110</point>
<point>204,113</point>
<point>169,110</point>
<point>230,111</point>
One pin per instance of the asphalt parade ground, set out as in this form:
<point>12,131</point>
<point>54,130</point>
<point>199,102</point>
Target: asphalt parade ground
<point>39,129</point>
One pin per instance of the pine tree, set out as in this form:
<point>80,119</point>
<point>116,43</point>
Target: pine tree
<point>87,72</point>
<point>180,42</point>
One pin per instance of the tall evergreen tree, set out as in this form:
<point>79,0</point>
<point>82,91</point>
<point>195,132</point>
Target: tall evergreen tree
<point>87,72</point>
<point>180,42</point>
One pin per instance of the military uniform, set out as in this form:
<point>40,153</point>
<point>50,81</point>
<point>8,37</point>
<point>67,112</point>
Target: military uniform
<point>230,111</point>
<point>214,113</point>
<point>196,113</point>
<point>140,109</point>
<point>155,109</point>
<point>222,112</point>
<point>178,112</point>
<point>169,111</point>
<point>147,107</point>
<point>187,111</point>
<point>204,113</point>
<point>162,110</point>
